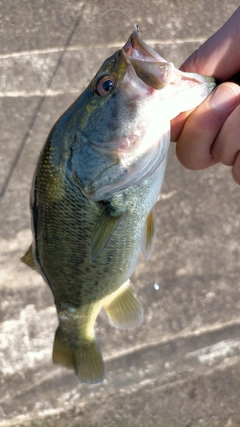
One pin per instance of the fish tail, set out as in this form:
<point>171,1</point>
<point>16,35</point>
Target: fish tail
<point>62,351</point>
<point>85,359</point>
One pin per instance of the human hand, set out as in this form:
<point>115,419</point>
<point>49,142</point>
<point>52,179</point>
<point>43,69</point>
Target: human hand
<point>211,133</point>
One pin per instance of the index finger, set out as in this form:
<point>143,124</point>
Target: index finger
<point>203,126</point>
<point>219,56</point>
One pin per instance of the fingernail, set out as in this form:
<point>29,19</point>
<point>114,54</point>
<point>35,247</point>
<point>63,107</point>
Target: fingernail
<point>223,98</point>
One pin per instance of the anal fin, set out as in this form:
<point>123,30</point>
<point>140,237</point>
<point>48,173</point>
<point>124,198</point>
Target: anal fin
<point>85,358</point>
<point>123,308</point>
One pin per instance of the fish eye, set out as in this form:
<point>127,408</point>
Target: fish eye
<point>105,85</point>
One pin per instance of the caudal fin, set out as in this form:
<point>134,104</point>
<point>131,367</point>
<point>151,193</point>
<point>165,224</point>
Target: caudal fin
<point>86,359</point>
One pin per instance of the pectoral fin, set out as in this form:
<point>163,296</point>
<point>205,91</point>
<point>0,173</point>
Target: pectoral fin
<point>104,229</point>
<point>123,308</point>
<point>28,258</point>
<point>149,235</point>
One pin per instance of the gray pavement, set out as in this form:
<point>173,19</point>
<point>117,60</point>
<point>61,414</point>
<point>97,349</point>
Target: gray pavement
<point>182,366</point>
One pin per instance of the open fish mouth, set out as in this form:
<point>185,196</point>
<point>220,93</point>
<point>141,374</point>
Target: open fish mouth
<point>152,69</point>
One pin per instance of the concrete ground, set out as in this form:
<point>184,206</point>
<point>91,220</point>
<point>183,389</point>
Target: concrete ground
<point>182,366</point>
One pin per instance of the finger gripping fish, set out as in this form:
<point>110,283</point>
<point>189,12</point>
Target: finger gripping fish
<point>96,183</point>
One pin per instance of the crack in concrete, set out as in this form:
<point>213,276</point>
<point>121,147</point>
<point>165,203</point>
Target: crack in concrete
<point>39,105</point>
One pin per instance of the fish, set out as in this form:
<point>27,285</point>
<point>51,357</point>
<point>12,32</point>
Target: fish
<point>95,187</point>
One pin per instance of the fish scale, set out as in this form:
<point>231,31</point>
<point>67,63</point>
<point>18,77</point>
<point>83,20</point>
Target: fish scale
<point>69,209</point>
<point>95,187</point>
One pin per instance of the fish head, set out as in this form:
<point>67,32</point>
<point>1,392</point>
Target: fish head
<point>123,132</point>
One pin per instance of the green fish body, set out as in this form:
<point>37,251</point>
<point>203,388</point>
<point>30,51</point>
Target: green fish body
<point>97,181</point>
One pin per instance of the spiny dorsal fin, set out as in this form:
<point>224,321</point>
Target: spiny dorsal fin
<point>123,308</point>
<point>149,235</point>
<point>28,258</point>
<point>85,359</point>
<point>104,229</point>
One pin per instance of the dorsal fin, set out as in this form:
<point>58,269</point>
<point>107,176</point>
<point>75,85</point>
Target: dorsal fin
<point>28,258</point>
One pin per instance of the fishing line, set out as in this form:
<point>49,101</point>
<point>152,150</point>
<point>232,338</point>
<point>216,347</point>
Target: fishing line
<point>99,28</point>
<point>136,26</point>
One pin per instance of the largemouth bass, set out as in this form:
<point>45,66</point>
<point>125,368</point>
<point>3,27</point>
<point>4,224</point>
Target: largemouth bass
<point>96,183</point>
